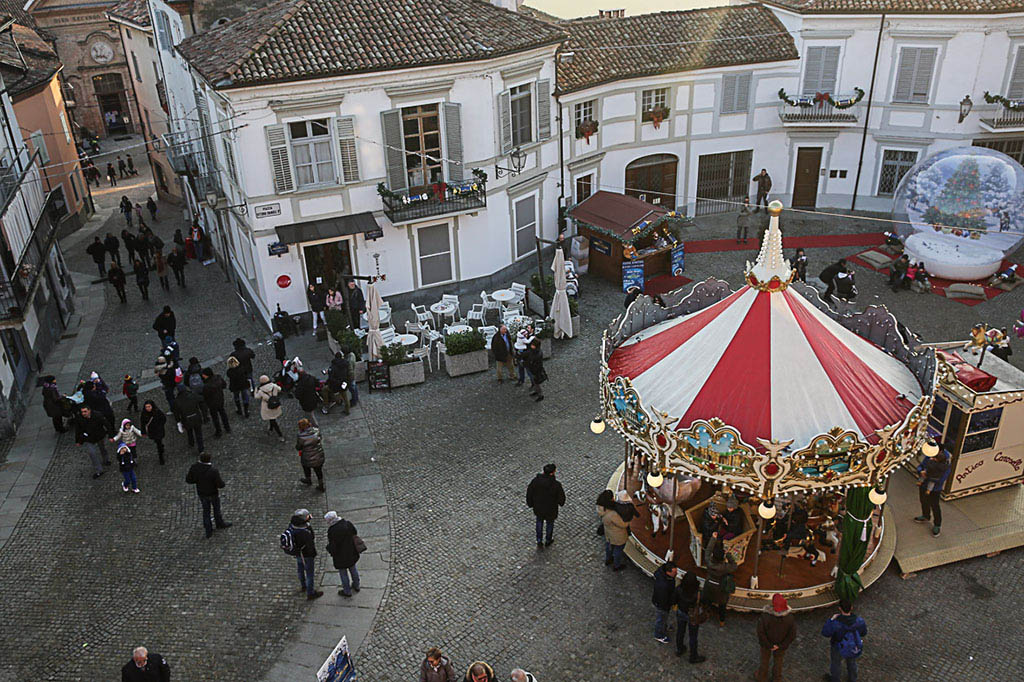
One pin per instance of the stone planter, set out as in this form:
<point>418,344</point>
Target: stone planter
<point>407,374</point>
<point>534,302</point>
<point>360,371</point>
<point>545,348</point>
<point>466,363</point>
<point>576,325</point>
<point>333,344</point>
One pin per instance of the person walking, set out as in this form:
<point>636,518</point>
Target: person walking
<point>846,633</point>
<point>544,496</point>
<point>113,247</point>
<point>932,473</point>
<point>190,416</point>
<point>663,598</point>
<point>743,221</point>
<point>165,323</point>
<point>176,259</point>
<point>151,207</point>
<point>776,630</point>
<point>125,207</point>
<point>245,356</point>
<point>335,389</point>
<point>161,271</point>
<point>115,275</point>
<point>128,239</point>
<point>357,303</point>
<point>341,545</point>
<point>720,583</point>
<point>166,370</point>
<point>311,453</point>
<point>122,168</point>
<point>126,465</point>
<point>90,431</point>
<point>317,304</point>
<point>193,378</point>
<point>198,236</point>
<point>128,435</point>
<point>616,530</point>
<point>130,390</point>
<point>501,346</point>
<point>305,392</point>
<point>142,279</point>
<point>800,265</point>
<point>131,164</point>
<point>764,185</point>
<point>153,423</point>
<point>146,667</point>
<point>213,396</point>
<point>687,601</point>
<point>208,485</point>
<point>99,255</point>
<point>480,672</point>
<point>534,361</point>
<point>828,277</point>
<point>436,667</point>
<point>238,384</point>
<point>303,542</point>
<point>53,403</point>
<point>145,248</point>
<point>96,399</point>
<point>111,175</point>
<point>523,338</point>
<point>269,395</point>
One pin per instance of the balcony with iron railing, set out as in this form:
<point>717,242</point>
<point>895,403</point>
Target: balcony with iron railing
<point>815,111</point>
<point>1004,120</point>
<point>12,173</point>
<point>19,285</point>
<point>439,199</point>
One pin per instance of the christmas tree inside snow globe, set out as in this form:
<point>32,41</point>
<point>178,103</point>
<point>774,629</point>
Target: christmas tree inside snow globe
<point>962,212</point>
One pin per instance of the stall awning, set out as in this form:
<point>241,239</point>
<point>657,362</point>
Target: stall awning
<point>327,228</point>
<point>616,214</point>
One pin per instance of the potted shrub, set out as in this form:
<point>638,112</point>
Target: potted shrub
<point>545,334</point>
<point>538,292</point>
<point>404,369</point>
<point>346,341</point>
<point>574,313</point>
<point>465,353</point>
<point>337,322</point>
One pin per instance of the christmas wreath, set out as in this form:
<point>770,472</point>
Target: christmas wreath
<point>820,98</point>
<point>586,128</point>
<point>1012,104</point>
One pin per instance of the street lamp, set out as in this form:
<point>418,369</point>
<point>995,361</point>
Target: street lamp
<point>655,479</point>
<point>517,160</point>
<point>930,449</point>
<point>597,426</point>
<point>766,510</point>
<point>965,108</point>
<point>877,497</point>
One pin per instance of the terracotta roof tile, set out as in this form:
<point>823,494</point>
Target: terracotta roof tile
<point>668,42</point>
<point>135,11</point>
<point>901,6</point>
<point>302,39</point>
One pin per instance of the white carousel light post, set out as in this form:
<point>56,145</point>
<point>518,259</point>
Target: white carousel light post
<point>766,510</point>
<point>597,426</point>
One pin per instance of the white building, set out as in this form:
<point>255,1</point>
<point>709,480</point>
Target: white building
<point>339,143</point>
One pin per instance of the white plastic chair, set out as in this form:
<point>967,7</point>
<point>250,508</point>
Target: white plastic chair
<point>519,290</point>
<point>454,300</point>
<point>512,311</point>
<point>489,304</point>
<point>413,328</point>
<point>421,312</point>
<point>423,353</point>
<point>476,313</point>
<point>441,350</point>
<point>388,336</point>
<point>488,332</point>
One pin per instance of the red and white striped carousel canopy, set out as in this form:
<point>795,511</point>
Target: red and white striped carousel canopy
<point>767,363</point>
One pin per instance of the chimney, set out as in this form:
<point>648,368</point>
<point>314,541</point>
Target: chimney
<point>611,13</point>
<point>510,5</point>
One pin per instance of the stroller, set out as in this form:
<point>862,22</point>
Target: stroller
<point>332,392</point>
<point>288,375</point>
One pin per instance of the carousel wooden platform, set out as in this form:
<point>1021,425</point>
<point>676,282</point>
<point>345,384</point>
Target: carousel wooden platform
<point>980,525</point>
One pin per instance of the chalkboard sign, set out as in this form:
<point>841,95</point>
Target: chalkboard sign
<point>378,376</point>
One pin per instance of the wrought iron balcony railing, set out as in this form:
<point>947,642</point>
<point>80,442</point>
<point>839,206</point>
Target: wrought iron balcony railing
<point>1004,119</point>
<point>436,200</point>
<point>18,287</point>
<point>818,113</point>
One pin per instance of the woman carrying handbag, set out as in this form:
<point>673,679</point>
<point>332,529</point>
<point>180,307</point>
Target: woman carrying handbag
<point>691,613</point>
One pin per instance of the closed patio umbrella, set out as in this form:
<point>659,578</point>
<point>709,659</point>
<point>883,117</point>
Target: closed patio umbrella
<point>560,305</point>
<point>374,340</point>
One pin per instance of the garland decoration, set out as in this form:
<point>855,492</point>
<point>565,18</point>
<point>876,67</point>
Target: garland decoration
<point>819,99</point>
<point>1011,104</point>
<point>439,190</point>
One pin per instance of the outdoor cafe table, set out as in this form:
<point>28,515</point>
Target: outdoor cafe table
<point>441,309</point>
<point>458,328</point>
<point>407,339</point>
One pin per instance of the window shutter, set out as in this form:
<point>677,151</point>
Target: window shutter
<point>543,109</point>
<point>728,93</point>
<point>905,75</point>
<point>505,121</point>
<point>815,58</point>
<point>348,158</point>
<point>205,132</point>
<point>1016,88</point>
<point>923,73</point>
<point>394,155</point>
<point>280,159</point>
<point>163,30</point>
<point>743,92</point>
<point>829,70</point>
<point>453,141</point>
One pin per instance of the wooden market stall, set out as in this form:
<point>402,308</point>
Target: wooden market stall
<point>623,228</point>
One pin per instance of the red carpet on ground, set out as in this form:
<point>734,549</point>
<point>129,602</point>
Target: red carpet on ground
<point>663,284</point>
<point>938,284</point>
<point>821,241</point>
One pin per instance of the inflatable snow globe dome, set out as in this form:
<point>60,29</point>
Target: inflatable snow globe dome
<point>961,212</point>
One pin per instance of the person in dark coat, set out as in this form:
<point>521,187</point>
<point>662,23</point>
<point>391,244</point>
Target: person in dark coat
<point>836,629</point>
<point>90,432</point>
<point>245,356</point>
<point>544,496</point>
<point>718,566</point>
<point>151,206</point>
<point>317,299</point>
<point>304,542</point>
<point>113,247</point>
<point>131,164</point>
<point>144,247</point>
<point>686,594</point>
<point>743,221</point>
<point>53,403</point>
<point>146,667</point>
<point>800,265</point>
<point>357,303</point>
<point>208,485</point>
<point>176,260</point>
<point>828,277</point>
<point>534,362</point>
<point>631,295</point>
<point>335,389</point>
<point>436,667</point>
<point>153,423</point>
<point>846,287</point>
<point>165,323</point>
<point>188,412</point>
<point>193,378</point>
<point>128,239</point>
<point>305,393</point>
<point>776,630</point>
<point>99,255</point>
<point>341,546</point>
<point>166,370</point>
<point>97,401</point>
<point>122,167</point>
<point>311,454</point>
<point>213,395</point>
<point>115,275</point>
<point>142,279</point>
<point>932,473</point>
<point>501,345</point>
<point>764,185</point>
<point>238,384</point>
<point>111,175</point>
<point>663,598</point>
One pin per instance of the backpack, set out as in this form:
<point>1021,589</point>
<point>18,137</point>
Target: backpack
<point>851,645</point>
<point>288,543</point>
<point>195,380</point>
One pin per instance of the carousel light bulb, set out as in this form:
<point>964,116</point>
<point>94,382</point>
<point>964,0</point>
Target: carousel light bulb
<point>877,497</point>
<point>597,426</point>
<point>655,479</point>
<point>930,449</point>
<point>766,511</point>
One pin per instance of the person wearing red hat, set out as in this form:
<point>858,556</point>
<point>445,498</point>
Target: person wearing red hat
<point>776,630</point>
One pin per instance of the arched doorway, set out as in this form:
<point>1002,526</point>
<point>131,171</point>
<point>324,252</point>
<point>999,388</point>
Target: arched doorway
<point>653,179</point>
<point>112,102</point>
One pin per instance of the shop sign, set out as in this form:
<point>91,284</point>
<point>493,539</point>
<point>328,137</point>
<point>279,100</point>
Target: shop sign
<point>277,249</point>
<point>632,274</point>
<point>375,233</point>
<point>268,210</point>
<point>678,260</point>
<point>284,281</point>
<point>601,246</point>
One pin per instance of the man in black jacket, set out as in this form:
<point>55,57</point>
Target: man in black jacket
<point>245,356</point>
<point>113,247</point>
<point>356,302</point>
<point>99,255</point>
<point>213,395</point>
<point>663,598</point>
<point>90,431</point>
<point>208,483</point>
<point>146,667</point>
<point>190,415</point>
<point>544,496</point>
<point>501,346</point>
<point>828,276</point>
<point>304,543</point>
<point>165,323</point>
<point>305,393</point>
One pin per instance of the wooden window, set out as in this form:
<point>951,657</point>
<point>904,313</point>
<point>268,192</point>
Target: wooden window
<point>650,100</point>
<point>421,135</point>
<point>1015,90</point>
<point>311,152</point>
<point>735,93</point>
<point>584,187</point>
<point>821,70</point>
<point>435,254</point>
<point>583,111</point>
<point>914,74</point>
<point>521,103</point>
<point>525,222</point>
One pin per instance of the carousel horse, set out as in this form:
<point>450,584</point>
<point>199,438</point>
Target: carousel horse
<point>978,339</point>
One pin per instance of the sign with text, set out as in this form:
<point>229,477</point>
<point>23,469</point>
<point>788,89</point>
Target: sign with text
<point>678,260</point>
<point>375,233</point>
<point>268,210</point>
<point>277,249</point>
<point>973,471</point>
<point>378,376</point>
<point>632,274</point>
<point>601,246</point>
<point>338,666</point>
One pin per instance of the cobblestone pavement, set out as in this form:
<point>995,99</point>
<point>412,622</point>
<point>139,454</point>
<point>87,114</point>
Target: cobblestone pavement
<point>90,572</point>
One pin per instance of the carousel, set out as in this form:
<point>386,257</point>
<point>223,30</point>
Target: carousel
<point>768,417</point>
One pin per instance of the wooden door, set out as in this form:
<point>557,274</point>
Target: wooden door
<point>653,179</point>
<point>805,185</point>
